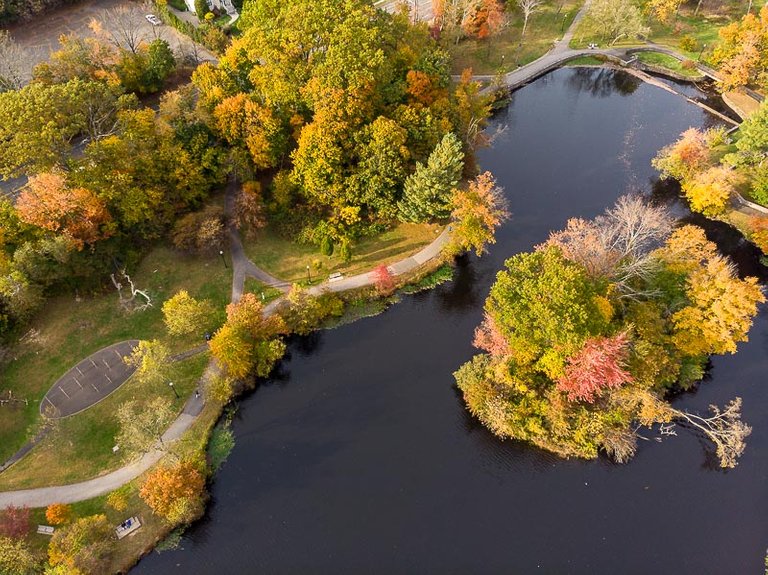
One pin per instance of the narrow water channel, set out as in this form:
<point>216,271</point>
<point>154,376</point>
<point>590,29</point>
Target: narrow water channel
<point>360,457</point>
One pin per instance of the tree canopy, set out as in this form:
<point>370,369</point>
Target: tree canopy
<point>573,358</point>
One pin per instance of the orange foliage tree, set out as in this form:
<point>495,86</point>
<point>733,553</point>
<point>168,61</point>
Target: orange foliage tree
<point>477,212</point>
<point>685,157</point>
<point>58,513</point>
<point>174,491</point>
<point>76,213</point>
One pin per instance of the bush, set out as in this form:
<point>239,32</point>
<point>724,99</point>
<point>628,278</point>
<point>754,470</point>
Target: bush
<point>689,43</point>
<point>689,65</point>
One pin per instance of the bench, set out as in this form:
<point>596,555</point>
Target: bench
<point>45,529</point>
<point>335,277</point>
<point>127,527</point>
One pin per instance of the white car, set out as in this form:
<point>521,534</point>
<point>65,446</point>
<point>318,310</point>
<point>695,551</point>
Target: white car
<point>152,19</point>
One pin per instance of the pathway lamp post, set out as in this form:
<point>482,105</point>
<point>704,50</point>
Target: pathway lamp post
<point>704,47</point>
<point>221,253</point>
<point>309,276</point>
<point>562,25</point>
<point>176,393</point>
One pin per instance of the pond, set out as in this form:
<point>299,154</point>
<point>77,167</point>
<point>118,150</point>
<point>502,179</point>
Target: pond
<point>359,457</point>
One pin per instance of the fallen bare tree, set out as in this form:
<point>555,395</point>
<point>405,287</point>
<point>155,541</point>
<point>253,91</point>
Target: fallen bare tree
<point>130,303</point>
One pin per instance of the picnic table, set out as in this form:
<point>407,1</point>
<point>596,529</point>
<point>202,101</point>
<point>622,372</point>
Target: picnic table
<point>127,527</point>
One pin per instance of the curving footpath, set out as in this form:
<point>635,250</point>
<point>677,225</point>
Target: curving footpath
<point>242,268</point>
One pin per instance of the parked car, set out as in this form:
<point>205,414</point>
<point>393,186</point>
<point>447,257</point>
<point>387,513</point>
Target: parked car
<point>154,20</point>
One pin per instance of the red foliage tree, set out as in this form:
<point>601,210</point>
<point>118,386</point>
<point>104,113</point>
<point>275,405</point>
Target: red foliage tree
<point>385,281</point>
<point>598,366</point>
<point>489,338</point>
<point>15,522</point>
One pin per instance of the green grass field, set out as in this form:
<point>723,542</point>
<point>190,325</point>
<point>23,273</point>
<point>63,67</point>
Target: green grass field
<point>80,447</point>
<point>668,63</point>
<point>288,260</point>
<point>67,330</point>
<point>504,52</point>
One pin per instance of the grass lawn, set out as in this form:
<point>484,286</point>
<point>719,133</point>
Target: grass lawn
<point>288,260</point>
<point>179,5</point>
<point>80,447</point>
<point>127,551</point>
<point>260,289</point>
<point>585,61</point>
<point>67,330</point>
<point>668,62</point>
<point>504,52</point>
<point>703,28</point>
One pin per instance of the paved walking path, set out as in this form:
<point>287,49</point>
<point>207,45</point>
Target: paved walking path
<point>44,496</point>
<point>243,267</point>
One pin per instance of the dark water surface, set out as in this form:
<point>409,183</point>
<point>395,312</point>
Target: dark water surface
<point>361,458</point>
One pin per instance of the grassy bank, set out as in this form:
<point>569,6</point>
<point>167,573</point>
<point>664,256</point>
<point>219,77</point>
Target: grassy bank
<point>289,260</point>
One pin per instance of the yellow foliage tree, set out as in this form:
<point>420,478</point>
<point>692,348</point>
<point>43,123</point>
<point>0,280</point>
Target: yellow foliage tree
<point>710,191</point>
<point>185,315</point>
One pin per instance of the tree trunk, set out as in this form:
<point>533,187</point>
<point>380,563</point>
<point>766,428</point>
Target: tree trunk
<point>698,7</point>
<point>525,25</point>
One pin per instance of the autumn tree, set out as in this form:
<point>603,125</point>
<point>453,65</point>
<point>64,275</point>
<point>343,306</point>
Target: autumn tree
<point>39,123</point>
<point>384,280</point>
<point>148,171</point>
<point>598,366</point>
<point>141,426</point>
<point>618,245</point>
<point>742,53</point>
<point>477,212</point>
<point>710,191</point>
<point>58,513</point>
<point>572,364</point>
<point>175,492</point>
<point>664,10</point>
<point>250,212</point>
<point>82,546</point>
<point>427,192</point>
<point>200,232</point>
<point>487,20</point>
<point>248,342</point>
<point>15,522</point>
<point>721,305</point>
<point>243,122</point>
<point>684,158</point>
<point>303,312</point>
<point>152,360</point>
<point>76,213</point>
<point>184,315</point>
<point>85,58</point>
<point>616,19</point>
<point>17,558</point>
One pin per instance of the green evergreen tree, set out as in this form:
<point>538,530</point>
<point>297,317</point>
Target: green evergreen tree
<point>427,192</point>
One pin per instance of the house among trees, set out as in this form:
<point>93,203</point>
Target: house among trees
<point>225,5</point>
